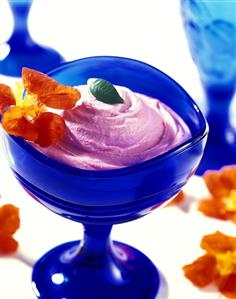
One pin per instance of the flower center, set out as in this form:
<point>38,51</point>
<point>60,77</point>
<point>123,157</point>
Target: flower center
<point>226,262</point>
<point>30,108</point>
<point>230,201</point>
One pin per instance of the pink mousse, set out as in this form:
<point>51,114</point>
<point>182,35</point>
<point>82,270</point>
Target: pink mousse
<point>101,136</point>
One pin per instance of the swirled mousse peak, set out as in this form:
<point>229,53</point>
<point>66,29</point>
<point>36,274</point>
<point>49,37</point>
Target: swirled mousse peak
<point>100,136</point>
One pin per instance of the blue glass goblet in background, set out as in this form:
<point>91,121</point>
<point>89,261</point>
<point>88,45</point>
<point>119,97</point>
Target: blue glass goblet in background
<point>23,51</point>
<point>211,33</point>
<point>96,267</point>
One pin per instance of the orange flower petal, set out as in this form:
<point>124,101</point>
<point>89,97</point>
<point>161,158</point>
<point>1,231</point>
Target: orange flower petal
<point>218,242</point>
<point>14,123</point>
<point>213,208</point>
<point>51,128</point>
<point>49,92</point>
<point>202,271</point>
<point>214,183</point>
<point>227,286</point>
<point>9,219</point>
<point>7,244</point>
<point>59,101</point>
<point>232,217</point>
<point>7,97</point>
<point>228,176</point>
<point>177,199</point>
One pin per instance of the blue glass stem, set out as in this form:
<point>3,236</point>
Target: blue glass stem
<point>96,242</point>
<point>218,116</point>
<point>20,12</point>
<point>98,252</point>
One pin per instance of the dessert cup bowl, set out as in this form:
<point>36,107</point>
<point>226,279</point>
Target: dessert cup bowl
<point>97,268</point>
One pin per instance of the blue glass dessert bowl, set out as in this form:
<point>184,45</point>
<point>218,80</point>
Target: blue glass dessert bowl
<point>97,267</point>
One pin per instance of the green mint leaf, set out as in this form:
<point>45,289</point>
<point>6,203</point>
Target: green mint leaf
<point>104,91</point>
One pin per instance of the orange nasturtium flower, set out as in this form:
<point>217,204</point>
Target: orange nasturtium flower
<point>222,187</point>
<point>177,199</point>
<point>217,265</point>
<point>24,111</point>
<point>9,223</point>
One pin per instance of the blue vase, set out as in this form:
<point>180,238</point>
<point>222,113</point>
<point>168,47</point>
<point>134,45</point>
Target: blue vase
<point>97,267</point>
<point>211,33</point>
<point>23,49</point>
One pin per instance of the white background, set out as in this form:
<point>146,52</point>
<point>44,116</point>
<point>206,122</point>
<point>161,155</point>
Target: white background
<point>150,31</point>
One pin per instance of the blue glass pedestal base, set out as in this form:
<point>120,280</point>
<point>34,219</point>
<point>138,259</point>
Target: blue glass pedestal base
<point>123,273</point>
<point>29,55</point>
<point>23,50</point>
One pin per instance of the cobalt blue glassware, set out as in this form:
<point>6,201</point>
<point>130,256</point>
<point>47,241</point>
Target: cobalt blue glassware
<point>96,267</point>
<point>23,51</point>
<point>211,33</point>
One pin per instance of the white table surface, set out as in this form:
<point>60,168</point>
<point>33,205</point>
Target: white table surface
<point>150,31</point>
